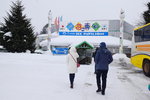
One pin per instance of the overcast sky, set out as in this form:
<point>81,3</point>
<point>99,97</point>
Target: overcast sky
<point>37,10</point>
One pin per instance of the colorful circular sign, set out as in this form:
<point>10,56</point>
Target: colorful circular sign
<point>78,26</point>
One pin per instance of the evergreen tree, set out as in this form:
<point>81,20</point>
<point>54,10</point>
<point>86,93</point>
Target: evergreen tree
<point>21,36</point>
<point>146,14</point>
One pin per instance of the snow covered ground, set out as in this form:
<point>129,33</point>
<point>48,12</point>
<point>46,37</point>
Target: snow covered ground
<point>26,76</point>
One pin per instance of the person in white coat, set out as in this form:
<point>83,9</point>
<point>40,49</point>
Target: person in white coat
<point>72,64</point>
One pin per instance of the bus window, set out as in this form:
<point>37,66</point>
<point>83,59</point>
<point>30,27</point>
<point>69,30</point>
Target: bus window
<point>146,35</point>
<point>142,34</point>
<point>137,35</point>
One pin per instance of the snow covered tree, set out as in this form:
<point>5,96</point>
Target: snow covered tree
<point>145,18</point>
<point>16,33</point>
<point>146,14</point>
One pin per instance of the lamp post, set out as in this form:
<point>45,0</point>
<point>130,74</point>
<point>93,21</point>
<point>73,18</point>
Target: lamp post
<point>122,16</point>
<point>49,29</point>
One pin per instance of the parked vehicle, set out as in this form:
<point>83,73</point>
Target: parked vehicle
<point>141,48</point>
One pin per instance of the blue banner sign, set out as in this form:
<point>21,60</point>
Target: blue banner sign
<point>84,33</point>
<point>60,50</point>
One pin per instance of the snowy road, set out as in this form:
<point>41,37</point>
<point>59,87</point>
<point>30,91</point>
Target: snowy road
<point>45,77</point>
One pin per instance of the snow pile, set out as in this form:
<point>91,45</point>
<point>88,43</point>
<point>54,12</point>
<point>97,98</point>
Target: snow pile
<point>44,43</point>
<point>38,51</point>
<point>41,51</point>
<point>28,51</point>
<point>54,35</point>
<point>47,52</point>
<point>122,59</point>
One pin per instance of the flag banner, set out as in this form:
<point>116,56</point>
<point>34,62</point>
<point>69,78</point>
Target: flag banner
<point>61,19</point>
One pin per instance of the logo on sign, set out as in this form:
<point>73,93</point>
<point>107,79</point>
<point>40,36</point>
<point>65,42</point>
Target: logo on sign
<point>87,26</point>
<point>95,26</point>
<point>70,26</point>
<point>78,26</point>
<point>104,27</point>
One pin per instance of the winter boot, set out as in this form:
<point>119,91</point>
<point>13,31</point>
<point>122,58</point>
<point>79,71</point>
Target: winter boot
<point>98,90</point>
<point>103,92</point>
<point>71,86</point>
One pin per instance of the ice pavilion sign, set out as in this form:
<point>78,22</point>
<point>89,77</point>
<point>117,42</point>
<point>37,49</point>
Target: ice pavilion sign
<point>84,28</point>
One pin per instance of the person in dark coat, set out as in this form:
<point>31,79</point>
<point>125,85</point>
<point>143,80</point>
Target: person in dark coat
<point>94,54</point>
<point>102,60</point>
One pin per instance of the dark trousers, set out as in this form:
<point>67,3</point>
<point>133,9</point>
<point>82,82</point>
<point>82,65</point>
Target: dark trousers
<point>102,73</point>
<point>71,78</point>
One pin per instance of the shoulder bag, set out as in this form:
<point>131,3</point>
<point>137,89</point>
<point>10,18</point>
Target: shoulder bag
<point>78,65</point>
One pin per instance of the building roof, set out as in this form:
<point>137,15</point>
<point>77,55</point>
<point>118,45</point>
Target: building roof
<point>94,40</point>
<point>85,44</point>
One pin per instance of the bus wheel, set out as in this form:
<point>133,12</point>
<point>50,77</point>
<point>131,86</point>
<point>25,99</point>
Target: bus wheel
<point>146,68</point>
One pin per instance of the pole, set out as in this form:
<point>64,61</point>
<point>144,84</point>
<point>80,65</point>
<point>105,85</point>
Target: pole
<point>122,16</point>
<point>49,29</point>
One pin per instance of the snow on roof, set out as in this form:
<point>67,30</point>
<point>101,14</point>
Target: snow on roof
<point>95,40</point>
<point>8,34</point>
<point>79,42</point>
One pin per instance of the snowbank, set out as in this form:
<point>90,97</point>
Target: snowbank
<point>121,59</point>
<point>44,43</point>
<point>54,35</point>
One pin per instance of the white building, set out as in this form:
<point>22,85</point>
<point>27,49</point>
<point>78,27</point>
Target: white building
<point>94,32</point>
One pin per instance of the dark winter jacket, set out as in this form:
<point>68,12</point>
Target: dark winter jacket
<point>94,54</point>
<point>103,57</point>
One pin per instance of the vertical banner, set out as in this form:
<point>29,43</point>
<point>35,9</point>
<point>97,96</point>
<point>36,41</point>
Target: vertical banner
<point>84,28</point>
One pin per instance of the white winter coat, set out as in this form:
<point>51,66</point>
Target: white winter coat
<point>71,64</point>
